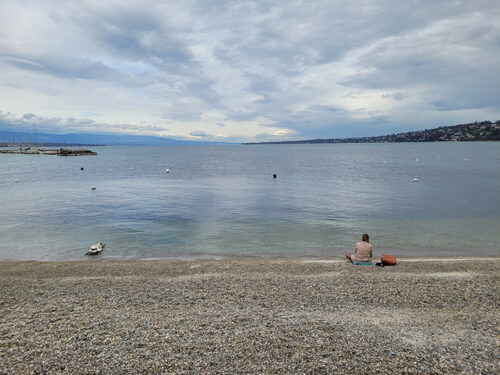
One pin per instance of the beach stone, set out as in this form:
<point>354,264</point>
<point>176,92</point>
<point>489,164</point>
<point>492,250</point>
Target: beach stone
<point>234,316</point>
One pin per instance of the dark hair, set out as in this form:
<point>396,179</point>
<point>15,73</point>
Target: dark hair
<point>365,237</point>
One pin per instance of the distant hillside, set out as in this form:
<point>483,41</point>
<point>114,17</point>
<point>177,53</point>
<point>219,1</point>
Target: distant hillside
<point>477,131</point>
<point>90,139</point>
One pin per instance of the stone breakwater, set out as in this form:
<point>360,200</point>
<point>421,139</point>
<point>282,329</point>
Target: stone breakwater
<point>246,316</point>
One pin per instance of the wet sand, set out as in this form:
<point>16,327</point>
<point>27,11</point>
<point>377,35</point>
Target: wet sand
<point>239,316</point>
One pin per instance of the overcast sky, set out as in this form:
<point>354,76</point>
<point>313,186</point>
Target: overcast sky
<point>248,70</point>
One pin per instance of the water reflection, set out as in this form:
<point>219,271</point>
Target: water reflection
<point>223,201</point>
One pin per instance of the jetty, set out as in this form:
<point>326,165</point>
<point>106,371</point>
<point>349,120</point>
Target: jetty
<point>43,151</point>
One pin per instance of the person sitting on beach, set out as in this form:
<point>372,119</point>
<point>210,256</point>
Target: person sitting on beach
<point>363,251</point>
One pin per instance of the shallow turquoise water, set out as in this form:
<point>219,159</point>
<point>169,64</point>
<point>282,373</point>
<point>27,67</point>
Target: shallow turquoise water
<point>222,201</point>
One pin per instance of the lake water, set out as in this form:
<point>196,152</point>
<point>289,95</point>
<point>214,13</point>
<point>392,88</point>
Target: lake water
<point>220,201</point>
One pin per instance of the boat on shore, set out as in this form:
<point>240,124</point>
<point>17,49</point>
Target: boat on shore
<point>96,248</point>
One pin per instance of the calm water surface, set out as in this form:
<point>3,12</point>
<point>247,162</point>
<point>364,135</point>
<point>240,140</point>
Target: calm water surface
<point>222,201</point>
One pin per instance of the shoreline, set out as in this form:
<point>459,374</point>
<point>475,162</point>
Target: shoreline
<point>304,259</point>
<point>250,315</point>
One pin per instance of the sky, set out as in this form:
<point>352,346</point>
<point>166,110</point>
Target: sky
<point>237,71</point>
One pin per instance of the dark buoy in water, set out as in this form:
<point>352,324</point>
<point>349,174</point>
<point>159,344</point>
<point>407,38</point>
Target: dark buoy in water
<point>81,168</point>
<point>274,175</point>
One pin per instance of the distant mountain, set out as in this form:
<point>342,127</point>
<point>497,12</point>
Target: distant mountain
<point>92,139</point>
<point>477,131</point>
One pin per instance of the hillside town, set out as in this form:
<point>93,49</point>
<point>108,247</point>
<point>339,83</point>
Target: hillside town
<point>476,131</point>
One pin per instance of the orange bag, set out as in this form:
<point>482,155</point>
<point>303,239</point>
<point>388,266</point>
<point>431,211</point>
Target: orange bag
<point>388,260</point>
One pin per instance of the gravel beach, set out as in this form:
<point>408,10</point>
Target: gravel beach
<point>250,316</point>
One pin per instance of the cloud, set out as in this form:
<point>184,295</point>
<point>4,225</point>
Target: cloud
<point>135,32</point>
<point>452,61</point>
<point>59,125</point>
<point>29,116</point>
<point>199,134</point>
<point>69,67</point>
<point>243,69</point>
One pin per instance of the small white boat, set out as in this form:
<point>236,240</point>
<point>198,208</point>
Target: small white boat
<point>96,248</point>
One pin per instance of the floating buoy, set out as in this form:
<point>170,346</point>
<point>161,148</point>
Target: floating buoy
<point>93,187</point>
<point>167,170</point>
<point>415,180</point>
<point>81,168</point>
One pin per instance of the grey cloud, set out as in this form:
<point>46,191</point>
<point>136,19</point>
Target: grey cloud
<point>397,62</point>
<point>199,134</point>
<point>143,33</point>
<point>398,96</point>
<point>136,32</point>
<point>261,85</point>
<point>28,120</point>
<point>457,103</point>
<point>57,124</point>
<point>247,115</point>
<point>202,89</point>
<point>69,67</point>
<point>183,112</point>
<point>454,58</point>
<point>445,105</point>
<point>394,96</point>
<point>79,122</point>
<point>331,122</point>
<point>323,108</point>
<point>305,33</point>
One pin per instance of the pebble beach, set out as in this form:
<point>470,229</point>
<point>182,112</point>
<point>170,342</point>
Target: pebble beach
<point>250,316</point>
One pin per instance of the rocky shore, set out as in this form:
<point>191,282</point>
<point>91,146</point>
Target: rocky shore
<point>246,316</point>
<point>42,151</point>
